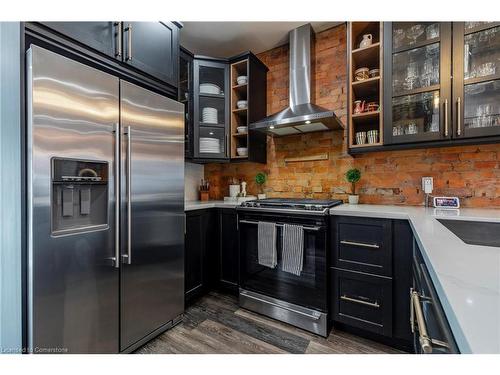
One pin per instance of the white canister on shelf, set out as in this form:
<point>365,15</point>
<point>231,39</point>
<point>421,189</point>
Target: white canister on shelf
<point>234,190</point>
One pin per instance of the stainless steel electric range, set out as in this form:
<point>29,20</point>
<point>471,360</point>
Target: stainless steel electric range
<point>298,299</point>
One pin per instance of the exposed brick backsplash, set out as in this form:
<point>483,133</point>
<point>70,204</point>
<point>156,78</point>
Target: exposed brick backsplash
<point>389,177</point>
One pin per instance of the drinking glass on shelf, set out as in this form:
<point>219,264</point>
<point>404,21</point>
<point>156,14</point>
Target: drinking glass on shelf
<point>411,128</point>
<point>486,69</point>
<point>414,32</point>
<point>432,31</point>
<point>398,37</point>
<point>411,76</point>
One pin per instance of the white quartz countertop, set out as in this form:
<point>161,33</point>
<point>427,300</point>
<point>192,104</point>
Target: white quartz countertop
<point>199,205</point>
<point>466,277</point>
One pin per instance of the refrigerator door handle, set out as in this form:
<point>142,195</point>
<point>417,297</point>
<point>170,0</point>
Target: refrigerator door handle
<point>116,258</point>
<point>127,258</point>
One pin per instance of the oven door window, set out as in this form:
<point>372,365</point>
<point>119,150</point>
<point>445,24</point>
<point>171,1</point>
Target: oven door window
<point>308,289</point>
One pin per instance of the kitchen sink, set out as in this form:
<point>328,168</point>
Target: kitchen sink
<point>474,232</point>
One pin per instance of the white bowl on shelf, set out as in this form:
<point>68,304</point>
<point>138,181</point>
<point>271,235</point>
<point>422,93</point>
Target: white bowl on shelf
<point>242,104</point>
<point>242,151</point>
<point>242,80</point>
<point>242,129</point>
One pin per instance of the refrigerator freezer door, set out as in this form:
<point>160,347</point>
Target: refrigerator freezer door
<point>152,194</point>
<point>72,110</point>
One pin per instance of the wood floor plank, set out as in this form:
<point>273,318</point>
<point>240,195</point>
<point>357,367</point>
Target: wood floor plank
<point>237,341</point>
<point>279,338</point>
<point>215,324</point>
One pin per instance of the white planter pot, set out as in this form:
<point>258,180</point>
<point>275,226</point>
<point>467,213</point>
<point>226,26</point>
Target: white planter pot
<point>261,196</point>
<point>353,199</point>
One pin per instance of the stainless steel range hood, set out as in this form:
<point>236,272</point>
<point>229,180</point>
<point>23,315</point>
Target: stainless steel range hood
<point>301,116</point>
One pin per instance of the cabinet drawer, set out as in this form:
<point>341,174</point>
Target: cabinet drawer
<point>363,244</point>
<point>362,301</point>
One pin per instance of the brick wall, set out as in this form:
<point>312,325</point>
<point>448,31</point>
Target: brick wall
<point>389,177</point>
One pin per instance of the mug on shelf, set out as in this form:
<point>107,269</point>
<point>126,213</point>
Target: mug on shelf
<point>359,106</point>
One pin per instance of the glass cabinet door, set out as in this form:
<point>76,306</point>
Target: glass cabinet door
<point>211,110</point>
<point>476,72</point>
<point>185,97</point>
<point>417,86</point>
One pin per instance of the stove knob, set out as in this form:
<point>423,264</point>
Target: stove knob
<point>308,207</point>
<point>318,207</point>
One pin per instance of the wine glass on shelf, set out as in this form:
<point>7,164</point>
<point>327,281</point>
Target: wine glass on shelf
<point>415,32</point>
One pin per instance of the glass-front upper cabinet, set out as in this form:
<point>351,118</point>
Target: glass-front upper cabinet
<point>211,110</point>
<point>476,79</point>
<point>417,84</point>
<point>186,97</point>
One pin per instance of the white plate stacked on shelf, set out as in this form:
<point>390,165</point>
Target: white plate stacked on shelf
<point>210,88</point>
<point>209,145</point>
<point>209,115</point>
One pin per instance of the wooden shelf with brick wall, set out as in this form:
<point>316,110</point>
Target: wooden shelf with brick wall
<point>365,70</point>
<point>248,104</point>
<point>239,114</point>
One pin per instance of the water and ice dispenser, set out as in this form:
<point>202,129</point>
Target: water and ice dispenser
<point>79,195</point>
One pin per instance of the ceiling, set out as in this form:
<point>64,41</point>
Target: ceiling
<point>226,39</point>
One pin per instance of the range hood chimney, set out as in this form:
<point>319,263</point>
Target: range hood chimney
<point>301,116</point>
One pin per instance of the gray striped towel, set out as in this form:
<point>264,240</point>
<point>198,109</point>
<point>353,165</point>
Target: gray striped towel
<point>266,243</point>
<point>293,249</point>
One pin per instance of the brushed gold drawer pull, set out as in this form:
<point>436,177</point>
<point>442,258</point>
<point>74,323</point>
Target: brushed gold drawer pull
<point>361,302</point>
<point>361,244</point>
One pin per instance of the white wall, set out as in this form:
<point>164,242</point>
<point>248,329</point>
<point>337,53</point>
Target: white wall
<point>193,173</point>
<point>10,188</point>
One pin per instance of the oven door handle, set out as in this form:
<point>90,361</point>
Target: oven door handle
<point>280,225</point>
<point>316,316</point>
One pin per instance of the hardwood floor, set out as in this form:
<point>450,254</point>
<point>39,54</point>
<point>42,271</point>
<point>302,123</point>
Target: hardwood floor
<point>216,325</point>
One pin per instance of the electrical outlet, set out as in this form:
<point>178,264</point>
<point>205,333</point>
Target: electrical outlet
<point>427,184</point>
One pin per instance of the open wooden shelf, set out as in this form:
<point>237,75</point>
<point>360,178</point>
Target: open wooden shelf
<point>370,89</point>
<point>371,114</point>
<point>243,86</point>
<point>239,117</point>
<point>366,145</point>
<point>367,88</point>
<point>240,110</point>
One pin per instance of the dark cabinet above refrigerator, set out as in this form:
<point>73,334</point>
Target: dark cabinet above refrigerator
<point>149,47</point>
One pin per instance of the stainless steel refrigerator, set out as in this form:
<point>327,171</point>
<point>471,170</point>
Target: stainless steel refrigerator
<point>105,209</point>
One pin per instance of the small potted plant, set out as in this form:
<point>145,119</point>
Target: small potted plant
<point>353,175</point>
<point>260,180</point>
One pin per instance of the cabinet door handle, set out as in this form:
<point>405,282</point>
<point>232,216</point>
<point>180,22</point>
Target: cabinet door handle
<point>459,115</point>
<point>118,36</point>
<point>361,244</point>
<point>446,117</point>
<point>423,338</point>
<point>129,42</point>
<point>360,301</point>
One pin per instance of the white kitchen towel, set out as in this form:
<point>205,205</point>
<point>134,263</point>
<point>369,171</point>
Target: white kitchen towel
<point>266,243</point>
<point>293,249</point>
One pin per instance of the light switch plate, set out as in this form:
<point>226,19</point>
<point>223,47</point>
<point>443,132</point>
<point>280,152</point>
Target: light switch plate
<point>427,184</point>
